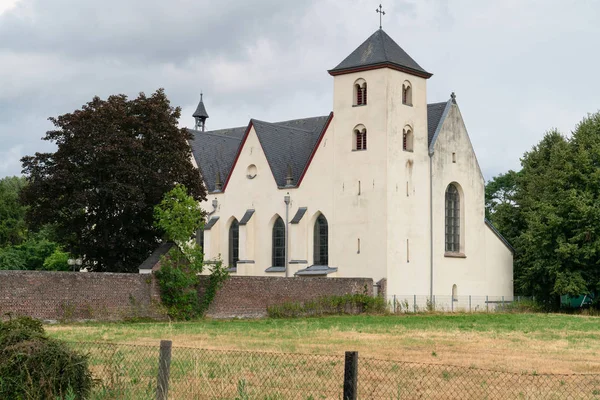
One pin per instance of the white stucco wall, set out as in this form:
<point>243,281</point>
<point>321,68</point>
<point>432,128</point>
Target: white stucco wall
<point>472,269</point>
<point>390,215</point>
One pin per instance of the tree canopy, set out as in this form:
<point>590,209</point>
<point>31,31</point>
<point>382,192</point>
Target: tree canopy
<point>550,211</point>
<point>13,229</point>
<point>115,160</point>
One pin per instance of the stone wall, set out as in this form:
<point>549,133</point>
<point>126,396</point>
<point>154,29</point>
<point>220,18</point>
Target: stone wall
<point>249,296</point>
<point>79,295</point>
<point>112,297</point>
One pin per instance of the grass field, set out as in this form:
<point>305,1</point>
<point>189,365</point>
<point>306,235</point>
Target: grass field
<point>538,343</point>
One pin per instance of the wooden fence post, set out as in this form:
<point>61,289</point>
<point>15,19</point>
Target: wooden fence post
<point>351,375</point>
<point>164,367</point>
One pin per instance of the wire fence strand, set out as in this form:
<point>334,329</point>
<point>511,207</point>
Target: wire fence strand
<point>130,372</point>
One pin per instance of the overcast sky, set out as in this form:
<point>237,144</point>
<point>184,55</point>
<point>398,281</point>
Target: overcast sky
<point>518,67</point>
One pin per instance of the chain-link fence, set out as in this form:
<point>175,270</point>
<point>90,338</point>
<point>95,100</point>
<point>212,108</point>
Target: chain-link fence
<point>132,372</point>
<point>444,303</point>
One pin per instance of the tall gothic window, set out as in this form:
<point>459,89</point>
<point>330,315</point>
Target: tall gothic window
<point>321,242</point>
<point>234,243</point>
<point>278,249</point>
<point>200,238</point>
<point>452,219</point>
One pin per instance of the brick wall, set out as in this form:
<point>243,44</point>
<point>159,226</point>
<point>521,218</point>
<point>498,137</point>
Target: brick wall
<point>112,297</point>
<point>78,295</point>
<point>249,296</point>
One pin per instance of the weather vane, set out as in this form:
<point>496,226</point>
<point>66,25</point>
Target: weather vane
<point>381,14</point>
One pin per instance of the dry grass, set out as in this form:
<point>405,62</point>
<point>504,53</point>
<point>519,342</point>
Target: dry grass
<point>537,343</point>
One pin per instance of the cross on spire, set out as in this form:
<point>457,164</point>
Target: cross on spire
<point>381,14</point>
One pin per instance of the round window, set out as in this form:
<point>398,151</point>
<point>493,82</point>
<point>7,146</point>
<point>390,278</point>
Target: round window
<point>251,171</point>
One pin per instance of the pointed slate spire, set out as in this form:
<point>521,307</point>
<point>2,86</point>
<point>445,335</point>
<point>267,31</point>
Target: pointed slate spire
<point>200,115</point>
<point>379,51</point>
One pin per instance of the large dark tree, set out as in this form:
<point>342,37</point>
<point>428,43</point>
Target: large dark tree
<point>116,158</point>
<point>550,211</point>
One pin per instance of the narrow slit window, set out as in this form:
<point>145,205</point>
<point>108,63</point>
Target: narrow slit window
<point>407,139</point>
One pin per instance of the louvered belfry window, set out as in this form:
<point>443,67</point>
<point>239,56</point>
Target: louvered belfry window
<point>321,242</point>
<point>234,243</point>
<point>361,139</point>
<point>452,219</point>
<point>359,96</point>
<point>278,249</point>
<point>364,93</point>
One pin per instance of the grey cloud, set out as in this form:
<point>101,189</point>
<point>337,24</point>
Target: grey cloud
<point>168,31</point>
<point>519,67</point>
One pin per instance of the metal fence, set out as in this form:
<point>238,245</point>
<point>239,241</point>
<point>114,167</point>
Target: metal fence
<point>419,303</point>
<point>147,372</point>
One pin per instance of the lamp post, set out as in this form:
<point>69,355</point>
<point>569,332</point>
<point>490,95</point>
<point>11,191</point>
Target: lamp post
<point>75,262</point>
<point>286,200</point>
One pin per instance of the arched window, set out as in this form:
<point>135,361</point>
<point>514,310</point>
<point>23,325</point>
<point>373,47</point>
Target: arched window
<point>407,93</point>
<point>407,138</point>
<point>321,242</point>
<point>200,237</point>
<point>452,219</point>
<point>278,248</point>
<point>454,293</point>
<point>360,92</point>
<point>234,243</point>
<point>360,138</point>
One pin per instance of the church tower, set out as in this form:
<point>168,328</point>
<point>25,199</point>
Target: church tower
<point>381,161</point>
<point>200,116</point>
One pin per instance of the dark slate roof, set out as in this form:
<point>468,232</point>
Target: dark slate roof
<point>497,232</point>
<point>289,144</point>
<point>210,223</point>
<point>434,115</point>
<point>379,49</point>
<point>284,143</point>
<point>299,214</point>
<point>247,215</point>
<point>215,151</point>
<point>200,110</point>
<point>154,258</point>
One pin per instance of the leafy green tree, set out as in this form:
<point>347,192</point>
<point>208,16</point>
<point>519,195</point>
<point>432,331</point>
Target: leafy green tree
<point>13,229</point>
<point>32,254</point>
<point>179,216</point>
<point>57,261</point>
<point>116,158</point>
<point>550,211</point>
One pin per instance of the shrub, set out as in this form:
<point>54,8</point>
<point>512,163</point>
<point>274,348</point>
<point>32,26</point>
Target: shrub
<point>523,306</point>
<point>329,305</point>
<point>34,366</point>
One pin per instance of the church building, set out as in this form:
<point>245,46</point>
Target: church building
<point>384,186</point>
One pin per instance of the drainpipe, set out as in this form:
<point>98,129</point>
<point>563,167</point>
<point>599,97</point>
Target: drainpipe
<point>430,226</point>
<point>286,200</point>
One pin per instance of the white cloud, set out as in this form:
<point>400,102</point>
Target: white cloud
<point>6,5</point>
